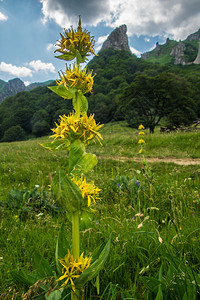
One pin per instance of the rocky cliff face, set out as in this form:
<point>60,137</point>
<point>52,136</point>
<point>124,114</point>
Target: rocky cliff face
<point>11,88</point>
<point>194,36</point>
<point>117,40</point>
<point>178,53</point>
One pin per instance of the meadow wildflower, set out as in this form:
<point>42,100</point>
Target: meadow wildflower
<point>141,127</point>
<point>76,41</point>
<point>72,128</point>
<point>72,268</point>
<point>141,141</point>
<point>75,77</point>
<point>89,191</point>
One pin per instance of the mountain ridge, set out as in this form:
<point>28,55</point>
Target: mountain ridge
<point>176,53</point>
<point>16,85</point>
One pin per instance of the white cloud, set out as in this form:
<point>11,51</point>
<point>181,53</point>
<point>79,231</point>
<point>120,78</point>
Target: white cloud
<point>171,18</point>
<point>38,65</point>
<point>3,17</point>
<point>14,70</point>
<point>50,47</point>
<point>135,51</point>
<point>100,41</point>
<point>147,40</point>
<point>26,83</point>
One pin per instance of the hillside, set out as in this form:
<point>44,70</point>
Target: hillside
<point>33,113</point>
<point>174,53</point>
<point>16,85</point>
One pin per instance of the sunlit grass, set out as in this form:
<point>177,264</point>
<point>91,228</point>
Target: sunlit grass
<point>167,205</point>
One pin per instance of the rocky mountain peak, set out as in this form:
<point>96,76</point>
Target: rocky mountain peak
<point>117,40</point>
<point>11,88</point>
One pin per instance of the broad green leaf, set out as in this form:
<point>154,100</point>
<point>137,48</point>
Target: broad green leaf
<point>94,268</point>
<point>152,283</point>
<point>80,102</point>
<point>79,58</point>
<point>67,192</point>
<point>85,164</point>
<point>55,145</point>
<point>55,295</point>
<point>62,91</point>
<point>83,103</point>
<point>23,278</point>
<point>79,161</point>
<point>42,266</point>
<point>66,56</point>
<point>61,248</point>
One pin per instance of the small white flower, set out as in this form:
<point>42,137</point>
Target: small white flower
<point>39,215</point>
<point>138,171</point>
<point>37,185</point>
<point>160,239</point>
<point>140,225</point>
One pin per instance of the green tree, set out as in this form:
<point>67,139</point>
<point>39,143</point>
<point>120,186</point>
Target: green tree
<point>14,133</point>
<point>149,99</point>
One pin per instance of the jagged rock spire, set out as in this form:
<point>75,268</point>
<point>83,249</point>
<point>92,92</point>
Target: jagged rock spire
<point>117,40</point>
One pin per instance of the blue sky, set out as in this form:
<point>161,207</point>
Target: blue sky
<point>29,29</point>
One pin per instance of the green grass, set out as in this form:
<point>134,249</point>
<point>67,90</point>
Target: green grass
<point>167,201</point>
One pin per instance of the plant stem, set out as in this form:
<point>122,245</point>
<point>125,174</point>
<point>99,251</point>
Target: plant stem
<point>75,234</point>
<point>75,245</point>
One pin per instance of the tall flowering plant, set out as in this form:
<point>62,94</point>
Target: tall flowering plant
<point>73,133</point>
<point>70,187</point>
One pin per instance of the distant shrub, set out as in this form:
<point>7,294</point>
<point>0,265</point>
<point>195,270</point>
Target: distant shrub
<point>14,133</point>
<point>41,128</point>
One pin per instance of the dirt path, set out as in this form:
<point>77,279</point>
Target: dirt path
<point>178,161</point>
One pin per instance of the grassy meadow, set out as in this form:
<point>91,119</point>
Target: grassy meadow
<point>151,210</point>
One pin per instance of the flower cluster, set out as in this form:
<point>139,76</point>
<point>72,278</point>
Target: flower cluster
<point>76,41</point>
<point>72,128</point>
<point>141,140</point>
<point>72,268</point>
<point>75,77</point>
<point>89,191</point>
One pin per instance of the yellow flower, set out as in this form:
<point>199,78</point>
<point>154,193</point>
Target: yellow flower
<point>76,41</point>
<point>77,78</point>
<point>72,128</point>
<point>141,141</point>
<point>141,133</point>
<point>140,151</point>
<point>72,268</point>
<point>89,191</point>
<point>141,127</point>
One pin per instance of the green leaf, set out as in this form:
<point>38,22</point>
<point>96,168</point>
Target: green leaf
<point>79,58</point>
<point>80,102</point>
<point>83,103</point>
<point>152,283</point>
<point>55,295</point>
<point>66,56</point>
<point>42,266</point>
<point>159,295</point>
<point>94,268</point>
<point>23,278</point>
<point>79,161</point>
<point>61,248</point>
<point>62,91</point>
<point>56,145</point>
<point>67,192</point>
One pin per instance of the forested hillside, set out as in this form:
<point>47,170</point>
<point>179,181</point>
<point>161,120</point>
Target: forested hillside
<point>125,88</point>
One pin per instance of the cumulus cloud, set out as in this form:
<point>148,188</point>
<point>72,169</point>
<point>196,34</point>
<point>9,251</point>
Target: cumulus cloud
<point>100,41</point>
<point>3,17</point>
<point>31,67</point>
<point>135,51</point>
<point>173,18</point>
<point>38,65</point>
<point>14,70</point>
<point>50,47</point>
